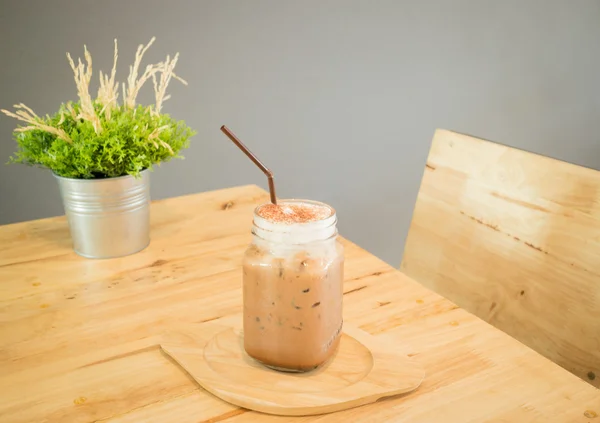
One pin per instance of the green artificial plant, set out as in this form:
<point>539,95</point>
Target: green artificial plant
<point>102,138</point>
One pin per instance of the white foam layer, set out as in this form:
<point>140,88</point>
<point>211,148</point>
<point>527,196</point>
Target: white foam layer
<point>297,233</point>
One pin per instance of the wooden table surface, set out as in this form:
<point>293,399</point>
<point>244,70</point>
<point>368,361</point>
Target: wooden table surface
<point>78,337</point>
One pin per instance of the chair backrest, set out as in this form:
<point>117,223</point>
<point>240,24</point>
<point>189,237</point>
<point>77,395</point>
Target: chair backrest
<point>514,238</point>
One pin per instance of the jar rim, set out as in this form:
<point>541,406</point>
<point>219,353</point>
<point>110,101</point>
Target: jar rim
<point>267,236</point>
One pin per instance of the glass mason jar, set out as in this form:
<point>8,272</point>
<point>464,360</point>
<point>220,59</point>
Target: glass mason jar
<point>293,286</point>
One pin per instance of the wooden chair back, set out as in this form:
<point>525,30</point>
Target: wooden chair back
<point>514,238</point>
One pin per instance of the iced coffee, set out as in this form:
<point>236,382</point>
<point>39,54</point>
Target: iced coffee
<point>292,284</point>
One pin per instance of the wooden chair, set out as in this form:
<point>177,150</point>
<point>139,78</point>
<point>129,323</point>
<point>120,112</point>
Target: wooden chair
<point>514,238</point>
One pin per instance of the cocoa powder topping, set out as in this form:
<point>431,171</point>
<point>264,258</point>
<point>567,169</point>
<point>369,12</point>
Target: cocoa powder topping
<point>294,212</point>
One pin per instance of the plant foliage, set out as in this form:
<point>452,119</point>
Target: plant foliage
<point>100,138</point>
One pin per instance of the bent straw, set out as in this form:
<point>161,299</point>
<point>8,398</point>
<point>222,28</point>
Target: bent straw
<point>252,157</point>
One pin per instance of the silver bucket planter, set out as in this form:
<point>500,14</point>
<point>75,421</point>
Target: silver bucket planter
<point>107,217</point>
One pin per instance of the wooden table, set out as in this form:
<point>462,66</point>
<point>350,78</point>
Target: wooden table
<point>78,337</point>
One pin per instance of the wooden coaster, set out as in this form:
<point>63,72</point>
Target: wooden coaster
<point>363,370</point>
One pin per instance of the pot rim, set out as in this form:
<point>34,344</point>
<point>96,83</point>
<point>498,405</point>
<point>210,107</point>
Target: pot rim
<point>97,179</point>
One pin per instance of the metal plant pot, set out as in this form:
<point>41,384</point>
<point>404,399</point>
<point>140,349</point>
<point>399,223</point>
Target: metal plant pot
<point>107,217</point>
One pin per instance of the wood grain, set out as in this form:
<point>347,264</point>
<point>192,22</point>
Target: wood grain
<point>514,238</point>
<point>363,370</point>
<point>79,338</point>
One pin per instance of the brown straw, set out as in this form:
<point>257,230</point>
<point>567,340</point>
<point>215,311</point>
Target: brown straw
<point>252,157</point>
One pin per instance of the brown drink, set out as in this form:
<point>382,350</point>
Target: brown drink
<point>293,278</point>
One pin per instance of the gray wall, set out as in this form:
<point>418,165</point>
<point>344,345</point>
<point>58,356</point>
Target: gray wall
<point>339,98</point>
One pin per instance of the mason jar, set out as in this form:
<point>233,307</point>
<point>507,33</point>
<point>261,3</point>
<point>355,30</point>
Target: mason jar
<point>293,274</point>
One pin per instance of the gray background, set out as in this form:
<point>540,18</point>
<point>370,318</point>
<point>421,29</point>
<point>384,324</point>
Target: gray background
<point>339,98</point>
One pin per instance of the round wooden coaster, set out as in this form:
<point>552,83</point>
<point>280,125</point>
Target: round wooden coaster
<point>363,370</point>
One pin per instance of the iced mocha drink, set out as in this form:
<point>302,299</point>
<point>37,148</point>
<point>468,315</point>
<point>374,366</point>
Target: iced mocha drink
<point>292,283</point>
